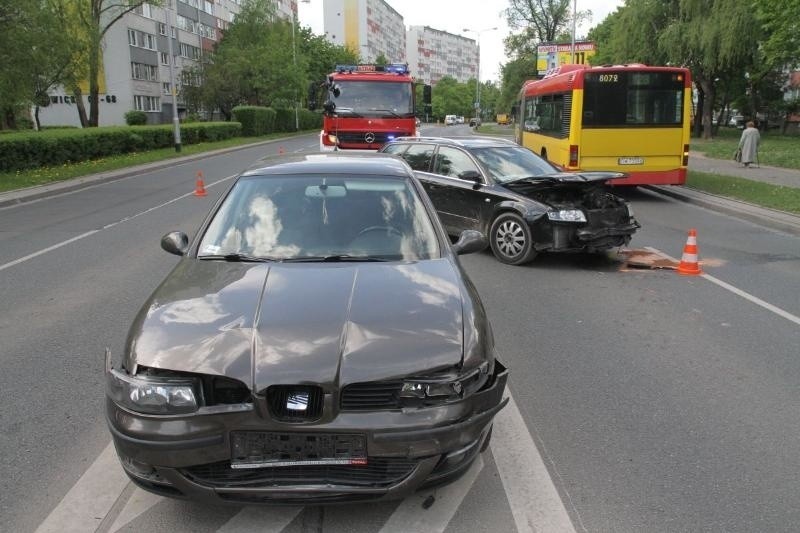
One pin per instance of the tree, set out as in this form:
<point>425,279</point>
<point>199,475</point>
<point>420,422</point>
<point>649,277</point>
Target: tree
<point>514,74</point>
<point>90,21</point>
<point>538,21</point>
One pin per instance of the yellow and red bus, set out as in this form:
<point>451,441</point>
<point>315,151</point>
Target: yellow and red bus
<point>625,118</point>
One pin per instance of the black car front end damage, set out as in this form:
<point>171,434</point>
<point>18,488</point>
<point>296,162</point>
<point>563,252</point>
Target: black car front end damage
<point>240,454</point>
<point>576,215</point>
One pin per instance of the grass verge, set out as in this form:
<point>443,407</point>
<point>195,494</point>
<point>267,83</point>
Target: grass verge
<point>755,192</point>
<point>776,150</point>
<point>10,181</point>
<point>492,128</point>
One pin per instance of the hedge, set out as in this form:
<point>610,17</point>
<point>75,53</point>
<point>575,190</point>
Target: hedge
<point>21,151</point>
<point>258,120</point>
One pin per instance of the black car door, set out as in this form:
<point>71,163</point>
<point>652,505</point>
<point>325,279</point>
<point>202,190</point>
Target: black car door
<point>420,158</point>
<point>465,199</point>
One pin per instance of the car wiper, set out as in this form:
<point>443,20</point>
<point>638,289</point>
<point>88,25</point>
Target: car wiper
<point>334,259</point>
<point>386,111</point>
<point>237,258</point>
<point>348,110</point>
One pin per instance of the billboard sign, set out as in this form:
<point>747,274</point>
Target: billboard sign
<point>551,56</point>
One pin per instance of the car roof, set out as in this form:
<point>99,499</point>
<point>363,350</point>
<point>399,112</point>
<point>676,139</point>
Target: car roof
<point>465,142</point>
<point>331,163</point>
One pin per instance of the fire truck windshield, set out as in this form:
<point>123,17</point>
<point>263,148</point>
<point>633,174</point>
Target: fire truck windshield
<point>374,99</point>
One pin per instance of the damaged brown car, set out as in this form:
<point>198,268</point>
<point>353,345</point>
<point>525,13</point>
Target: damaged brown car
<point>317,342</point>
<point>524,204</point>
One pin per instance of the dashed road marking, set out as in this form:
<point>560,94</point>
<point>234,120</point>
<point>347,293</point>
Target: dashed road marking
<point>261,519</point>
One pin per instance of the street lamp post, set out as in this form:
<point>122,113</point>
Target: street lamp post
<point>294,61</point>
<point>478,80</point>
<point>173,88</point>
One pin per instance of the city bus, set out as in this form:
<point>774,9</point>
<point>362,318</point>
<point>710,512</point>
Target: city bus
<point>628,118</point>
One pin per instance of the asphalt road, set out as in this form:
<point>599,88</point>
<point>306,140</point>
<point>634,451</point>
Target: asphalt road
<point>656,402</point>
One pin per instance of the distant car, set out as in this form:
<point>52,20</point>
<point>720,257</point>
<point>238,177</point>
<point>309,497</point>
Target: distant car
<point>736,121</point>
<point>450,120</point>
<point>459,119</point>
<point>317,342</point>
<point>523,203</point>
<point>417,123</point>
<point>474,122</point>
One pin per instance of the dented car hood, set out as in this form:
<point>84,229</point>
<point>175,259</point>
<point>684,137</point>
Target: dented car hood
<point>273,323</point>
<point>562,180</point>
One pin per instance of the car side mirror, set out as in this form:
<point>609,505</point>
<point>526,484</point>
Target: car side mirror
<point>471,175</point>
<point>175,242</point>
<point>470,241</point>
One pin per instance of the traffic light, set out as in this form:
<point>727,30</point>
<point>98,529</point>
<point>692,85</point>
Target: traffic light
<point>426,95</point>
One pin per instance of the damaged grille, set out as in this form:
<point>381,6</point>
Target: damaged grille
<point>374,395</point>
<point>378,472</point>
<point>607,217</point>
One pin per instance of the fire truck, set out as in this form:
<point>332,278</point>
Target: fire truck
<point>367,106</point>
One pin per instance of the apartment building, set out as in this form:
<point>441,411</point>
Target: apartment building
<point>368,27</point>
<point>136,61</point>
<point>433,54</point>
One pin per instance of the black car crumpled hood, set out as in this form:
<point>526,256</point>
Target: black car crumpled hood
<point>575,181</point>
<point>302,323</point>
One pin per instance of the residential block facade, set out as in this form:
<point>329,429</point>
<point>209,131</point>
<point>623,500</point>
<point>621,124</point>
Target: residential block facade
<point>368,27</point>
<point>434,54</point>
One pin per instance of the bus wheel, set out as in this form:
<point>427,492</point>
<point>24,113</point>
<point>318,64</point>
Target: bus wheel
<point>544,154</point>
<point>510,239</point>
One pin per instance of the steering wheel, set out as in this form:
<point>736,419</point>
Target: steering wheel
<point>389,230</point>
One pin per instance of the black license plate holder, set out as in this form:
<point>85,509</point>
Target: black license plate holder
<point>263,449</point>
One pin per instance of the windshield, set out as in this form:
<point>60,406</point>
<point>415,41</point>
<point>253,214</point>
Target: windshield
<point>289,218</point>
<point>633,99</point>
<point>375,98</point>
<point>511,163</point>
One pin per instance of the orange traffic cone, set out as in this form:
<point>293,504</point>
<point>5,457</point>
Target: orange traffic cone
<point>281,151</point>
<point>689,265</point>
<point>199,186</point>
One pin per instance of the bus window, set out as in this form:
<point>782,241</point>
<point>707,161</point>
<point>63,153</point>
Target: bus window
<point>632,98</point>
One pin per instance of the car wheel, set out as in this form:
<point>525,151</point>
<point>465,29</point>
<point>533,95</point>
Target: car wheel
<point>510,239</point>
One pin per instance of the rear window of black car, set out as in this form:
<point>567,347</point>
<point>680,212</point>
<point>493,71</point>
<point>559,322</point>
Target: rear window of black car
<point>418,156</point>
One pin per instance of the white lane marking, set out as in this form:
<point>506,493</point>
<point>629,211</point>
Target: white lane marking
<point>90,499</point>
<point>107,226</point>
<point>139,502</point>
<point>261,519</point>
<point>532,496</point>
<point>410,515</point>
<point>739,292</point>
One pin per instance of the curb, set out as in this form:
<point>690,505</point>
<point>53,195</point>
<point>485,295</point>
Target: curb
<point>38,192</point>
<point>772,218</point>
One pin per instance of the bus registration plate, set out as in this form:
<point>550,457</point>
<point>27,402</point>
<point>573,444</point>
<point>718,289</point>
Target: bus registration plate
<point>631,160</point>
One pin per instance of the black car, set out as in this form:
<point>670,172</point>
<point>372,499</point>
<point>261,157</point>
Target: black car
<point>523,203</point>
<point>318,341</point>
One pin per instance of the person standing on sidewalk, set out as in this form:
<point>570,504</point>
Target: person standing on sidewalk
<point>748,144</point>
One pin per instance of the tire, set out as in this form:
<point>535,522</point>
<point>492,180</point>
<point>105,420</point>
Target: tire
<point>487,440</point>
<point>511,240</point>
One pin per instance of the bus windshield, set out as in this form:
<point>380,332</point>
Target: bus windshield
<point>375,98</point>
<point>631,99</point>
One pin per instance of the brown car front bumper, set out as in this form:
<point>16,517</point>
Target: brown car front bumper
<point>189,456</point>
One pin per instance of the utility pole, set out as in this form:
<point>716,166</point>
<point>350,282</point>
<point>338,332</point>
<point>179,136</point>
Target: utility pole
<point>173,88</point>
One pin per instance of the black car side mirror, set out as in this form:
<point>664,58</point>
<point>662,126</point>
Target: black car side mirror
<point>470,241</point>
<point>175,242</point>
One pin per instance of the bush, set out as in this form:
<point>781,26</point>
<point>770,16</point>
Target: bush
<point>255,120</point>
<point>135,118</point>
<point>19,151</point>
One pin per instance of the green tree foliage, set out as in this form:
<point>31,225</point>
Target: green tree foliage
<point>538,21</point>
<point>514,74</point>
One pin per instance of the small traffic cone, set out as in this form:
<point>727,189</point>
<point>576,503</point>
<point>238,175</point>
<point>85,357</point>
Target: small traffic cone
<point>689,265</point>
<point>199,186</point>
<point>281,151</point>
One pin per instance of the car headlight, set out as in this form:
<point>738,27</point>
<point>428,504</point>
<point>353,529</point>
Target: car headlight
<point>567,215</point>
<point>444,387</point>
<point>157,395</point>
<point>630,210</point>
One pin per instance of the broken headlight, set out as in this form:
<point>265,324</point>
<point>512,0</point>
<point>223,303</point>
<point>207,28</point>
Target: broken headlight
<point>159,395</point>
<point>443,387</point>
<point>567,215</point>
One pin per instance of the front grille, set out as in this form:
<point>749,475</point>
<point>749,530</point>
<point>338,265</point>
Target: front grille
<point>358,137</point>
<point>374,395</point>
<point>377,473</point>
<point>286,402</point>
<point>608,217</point>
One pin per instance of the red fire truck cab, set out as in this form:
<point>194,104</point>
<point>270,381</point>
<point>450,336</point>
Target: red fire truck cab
<point>367,106</point>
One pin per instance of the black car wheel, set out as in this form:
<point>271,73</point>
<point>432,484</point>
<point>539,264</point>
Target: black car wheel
<point>510,239</point>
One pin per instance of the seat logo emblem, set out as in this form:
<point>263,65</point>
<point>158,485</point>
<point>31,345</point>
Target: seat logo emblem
<point>297,401</point>
<point>369,137</point>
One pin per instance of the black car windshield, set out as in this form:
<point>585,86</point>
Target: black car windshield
<point>509,163</point>
<point>320,218</point>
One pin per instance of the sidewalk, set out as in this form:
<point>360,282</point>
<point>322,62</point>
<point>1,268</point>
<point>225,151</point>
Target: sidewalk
<point>773,175</point>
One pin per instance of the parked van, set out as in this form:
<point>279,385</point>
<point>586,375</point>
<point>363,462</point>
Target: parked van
<point>450,120</point>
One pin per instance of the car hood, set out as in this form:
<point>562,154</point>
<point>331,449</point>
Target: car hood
<point>302,323</point>
<point>563,181</point>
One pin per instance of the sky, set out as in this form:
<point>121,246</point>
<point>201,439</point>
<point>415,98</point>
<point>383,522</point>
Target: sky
<point>454,15</point>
